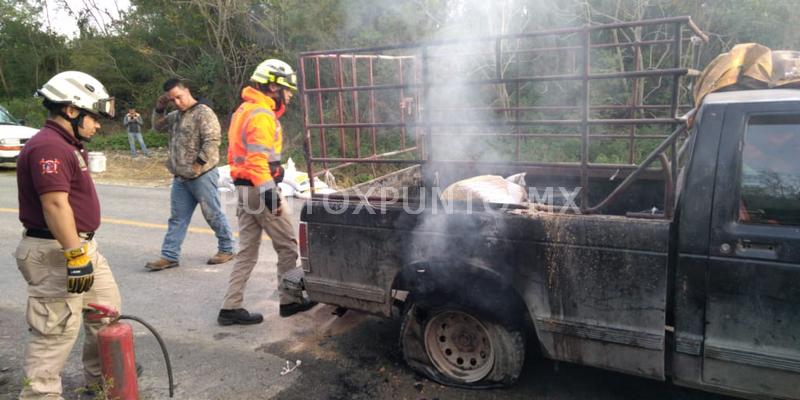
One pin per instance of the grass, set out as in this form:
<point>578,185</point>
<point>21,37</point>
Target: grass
<point>119,141</point>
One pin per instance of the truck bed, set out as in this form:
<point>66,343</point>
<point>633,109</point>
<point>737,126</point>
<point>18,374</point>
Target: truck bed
<point>571,270</point>
<point>405,186</point>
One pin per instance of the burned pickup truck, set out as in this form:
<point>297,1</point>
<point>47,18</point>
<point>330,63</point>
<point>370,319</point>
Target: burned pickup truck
<point>646,243</point>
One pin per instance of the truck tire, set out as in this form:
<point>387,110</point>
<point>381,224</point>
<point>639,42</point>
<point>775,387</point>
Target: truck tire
<point>457,346</point>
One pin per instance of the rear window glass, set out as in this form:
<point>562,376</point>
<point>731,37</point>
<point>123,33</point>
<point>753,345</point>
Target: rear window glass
<point>770,171</point>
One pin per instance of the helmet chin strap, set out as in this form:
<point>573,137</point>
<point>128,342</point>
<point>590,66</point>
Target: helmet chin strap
<point>76,123</point>
<point>280,106</point>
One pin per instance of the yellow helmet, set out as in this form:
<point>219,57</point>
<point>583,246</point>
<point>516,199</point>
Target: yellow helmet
<point>275,71</point>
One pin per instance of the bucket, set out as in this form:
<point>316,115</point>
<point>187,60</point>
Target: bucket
<point>97,161</point>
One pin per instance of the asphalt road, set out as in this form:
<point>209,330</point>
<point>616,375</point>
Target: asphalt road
<point>352,357</point>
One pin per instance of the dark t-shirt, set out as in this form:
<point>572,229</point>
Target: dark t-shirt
<point>54,161</point>
<point>134,125</point>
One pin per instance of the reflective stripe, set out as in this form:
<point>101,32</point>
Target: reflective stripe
<point>272,157</point>
<point>256,147</point>
<point>262,76</point>
<point>241,162</point>
<point>82,87</point>
<point>250,116</point>
<point>55,91</point>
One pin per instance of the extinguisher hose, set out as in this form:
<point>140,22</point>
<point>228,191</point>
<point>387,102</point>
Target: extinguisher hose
<point>161,344</point>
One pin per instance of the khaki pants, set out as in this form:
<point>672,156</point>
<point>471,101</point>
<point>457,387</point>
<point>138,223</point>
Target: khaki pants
<point>54,315</point>
<point>254,218</point>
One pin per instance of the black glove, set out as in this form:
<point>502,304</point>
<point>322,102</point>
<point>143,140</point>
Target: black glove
<point>80,274</point>
<point>272,199</point>
<point>276,170</point>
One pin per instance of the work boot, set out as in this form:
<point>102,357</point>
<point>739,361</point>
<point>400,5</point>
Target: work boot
<point>287,310</point>
<point>161,264</point>
<point>220,258</point>
<point>238,316</point>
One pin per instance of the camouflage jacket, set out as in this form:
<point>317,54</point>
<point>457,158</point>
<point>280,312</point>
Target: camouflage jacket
<point>194,138</point>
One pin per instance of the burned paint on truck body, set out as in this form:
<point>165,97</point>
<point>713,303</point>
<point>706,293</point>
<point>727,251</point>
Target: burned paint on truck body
<point>586,277</point>
<point>701,297</point>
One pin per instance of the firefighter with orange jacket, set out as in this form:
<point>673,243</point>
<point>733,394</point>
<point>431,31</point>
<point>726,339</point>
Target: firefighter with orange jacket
<point>255,142</point>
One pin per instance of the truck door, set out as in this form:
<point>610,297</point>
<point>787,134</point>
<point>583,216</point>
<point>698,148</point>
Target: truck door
<point>752,336</point>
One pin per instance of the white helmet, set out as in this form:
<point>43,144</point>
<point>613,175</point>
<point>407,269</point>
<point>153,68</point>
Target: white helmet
<point>275,71</point>
<point>80,90</point>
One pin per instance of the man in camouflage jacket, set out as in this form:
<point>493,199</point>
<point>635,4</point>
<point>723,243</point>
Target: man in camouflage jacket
<point>193,156</point>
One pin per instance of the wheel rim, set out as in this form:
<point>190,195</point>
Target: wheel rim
<point>459,346</point>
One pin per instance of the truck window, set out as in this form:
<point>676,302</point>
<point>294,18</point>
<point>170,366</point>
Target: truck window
<point>770,171</point>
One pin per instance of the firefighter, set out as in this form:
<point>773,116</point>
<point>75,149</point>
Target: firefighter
<point>255,142</point>
<point>60,211</point>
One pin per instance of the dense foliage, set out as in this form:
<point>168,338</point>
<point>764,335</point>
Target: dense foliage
<point>216,43</point>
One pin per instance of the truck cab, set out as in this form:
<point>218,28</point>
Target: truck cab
<point>736,295</point>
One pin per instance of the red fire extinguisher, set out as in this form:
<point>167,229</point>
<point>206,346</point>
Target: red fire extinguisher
<point>117,356</point>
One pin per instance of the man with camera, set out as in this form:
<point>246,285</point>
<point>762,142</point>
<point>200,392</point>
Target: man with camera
<point>134,124</point>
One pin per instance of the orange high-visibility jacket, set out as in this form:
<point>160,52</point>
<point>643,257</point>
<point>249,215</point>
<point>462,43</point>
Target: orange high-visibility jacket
<point>255,139</point>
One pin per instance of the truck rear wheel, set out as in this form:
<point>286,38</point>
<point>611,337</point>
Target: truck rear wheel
<point>456,346</point>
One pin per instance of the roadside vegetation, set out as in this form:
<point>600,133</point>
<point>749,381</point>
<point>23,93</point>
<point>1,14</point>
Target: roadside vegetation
<point>216,44</point>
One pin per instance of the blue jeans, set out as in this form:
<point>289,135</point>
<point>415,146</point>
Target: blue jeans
<point>186,194</point>
<point>132,136</point>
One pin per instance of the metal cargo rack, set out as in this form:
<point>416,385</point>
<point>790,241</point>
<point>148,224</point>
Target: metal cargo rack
<point>412,104</point>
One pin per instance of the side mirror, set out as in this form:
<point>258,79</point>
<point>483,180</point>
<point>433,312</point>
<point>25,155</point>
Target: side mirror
<point>21,121</point>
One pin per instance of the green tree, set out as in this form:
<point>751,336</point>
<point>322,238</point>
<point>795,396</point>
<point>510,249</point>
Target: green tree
<point>28,54</point>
